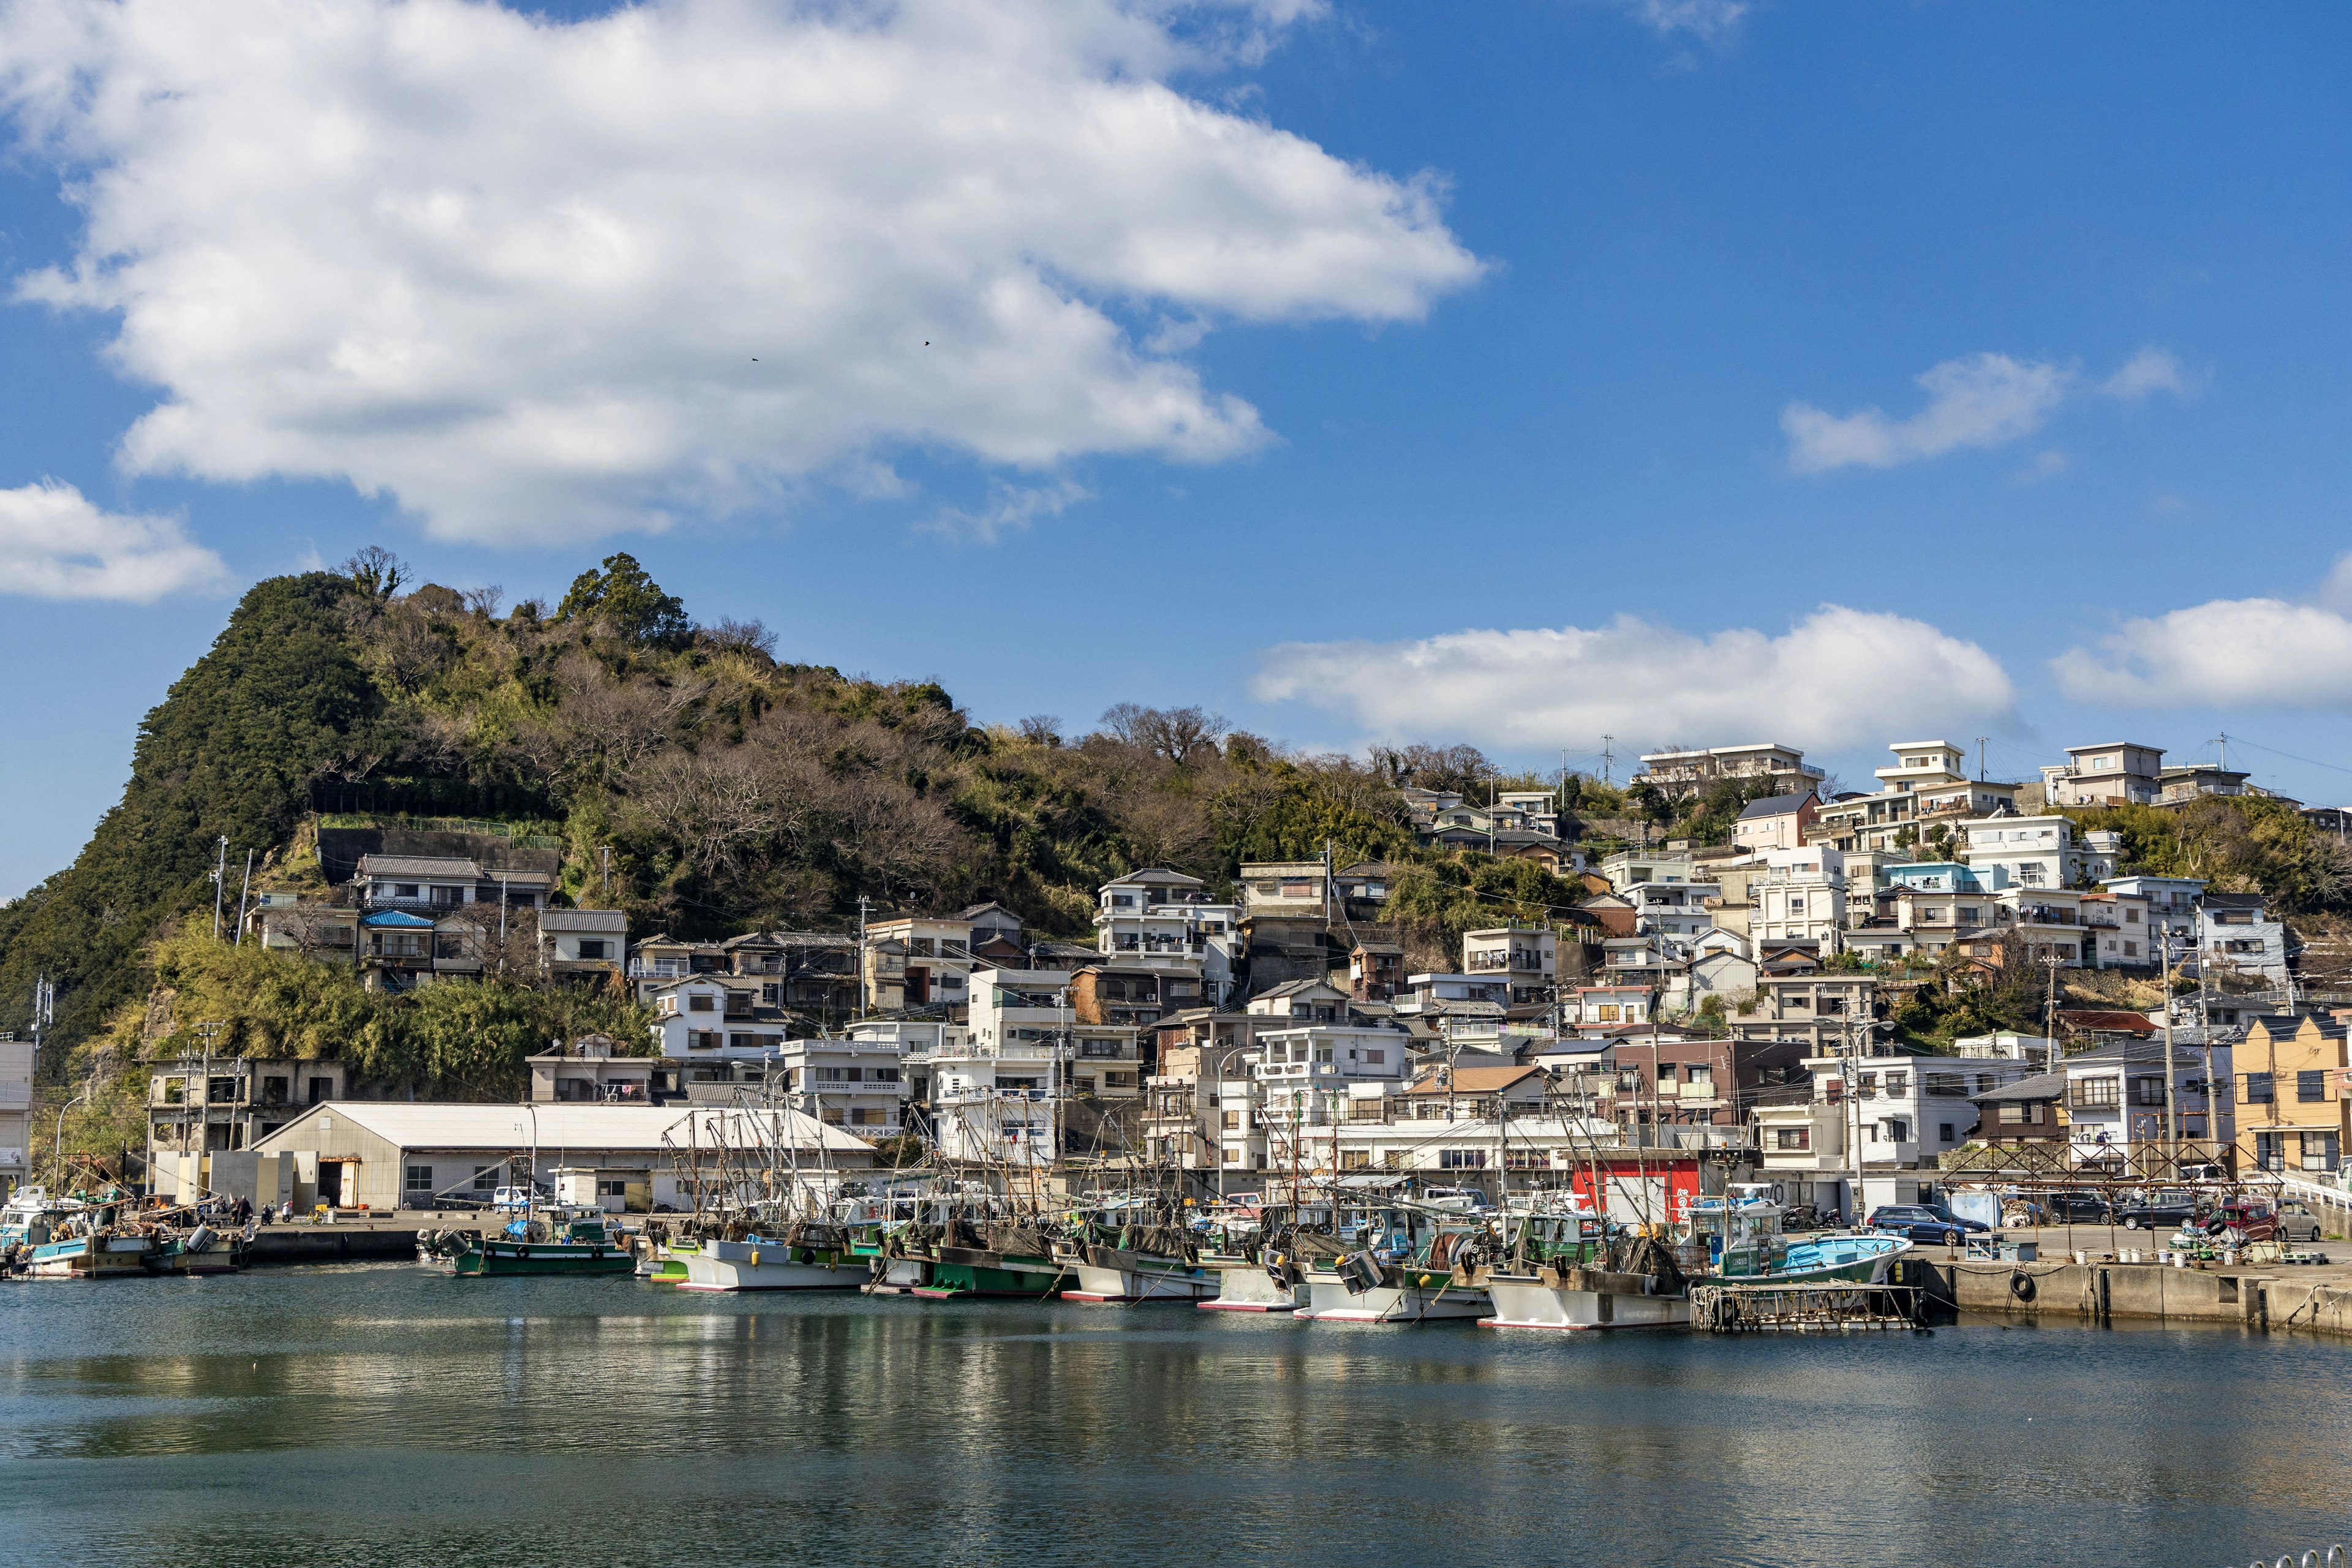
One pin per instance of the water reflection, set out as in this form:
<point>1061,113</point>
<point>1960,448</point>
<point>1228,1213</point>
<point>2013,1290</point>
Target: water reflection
<point>372,1415</point>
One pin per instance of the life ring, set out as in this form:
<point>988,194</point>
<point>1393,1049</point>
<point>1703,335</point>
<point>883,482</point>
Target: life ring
<point>2021,1286</point>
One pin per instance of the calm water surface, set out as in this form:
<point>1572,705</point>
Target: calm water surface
<point>368,1415</point>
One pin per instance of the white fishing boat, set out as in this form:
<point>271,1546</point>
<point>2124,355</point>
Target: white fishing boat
<point>1402,1272</point>
<point>101,1255</point>
<point>760,1263</point>
<point>1558,1277</point>
<point>1246,1285</point>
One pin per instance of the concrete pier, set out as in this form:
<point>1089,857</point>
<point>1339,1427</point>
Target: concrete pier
<point>2268,1295</point>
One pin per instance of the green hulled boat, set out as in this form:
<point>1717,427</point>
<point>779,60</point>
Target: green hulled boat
<point>553,1244</point>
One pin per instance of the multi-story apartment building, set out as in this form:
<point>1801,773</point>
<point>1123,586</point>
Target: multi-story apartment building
<point>1679,911</point>
<point>1526,958</point>
<point>198,1105</point>
<point>1921,800</point>
<point>16,1111</point>
<point>913,963</point>
<point>1822,1010</point>
<point>857,1083</point>
<point>1680,774</point>
<point>2040,851</point>
<point>716,1028</point>
<point>2172,901</point>
<point>1162,919</point>
<point>1027,1009</point>
<point>1803,898</point>
<point>2111,773</point>
<point>2237,941</point>
<point>1629,868</point>
<point>2115,1098</point>
<point>2289,1077</point>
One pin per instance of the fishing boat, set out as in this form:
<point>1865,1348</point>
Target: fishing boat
<point>1117,1253</point>
<point>1404,1270</point>
<point>202,1250</point>
<point>1559,1275</point>
<point>102,1254</point>
<point>1741,1232</point>
<point>803,1258</point>
<point>1010,1259</point>
<point>556,1244</point>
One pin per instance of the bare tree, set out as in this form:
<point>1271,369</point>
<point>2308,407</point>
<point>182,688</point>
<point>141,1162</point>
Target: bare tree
<point>740,636</point>
<point>1180,735</point>
<point>376,572</point>
<point>1042,728</point>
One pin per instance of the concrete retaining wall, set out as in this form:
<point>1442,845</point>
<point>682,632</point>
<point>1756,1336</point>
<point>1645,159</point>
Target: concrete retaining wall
<point>2100,1292</point>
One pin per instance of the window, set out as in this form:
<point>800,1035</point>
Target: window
<point>2147,1090</point>
<point>1233,1156</point>
<point>1898,1083</point>
<point>1376,1059</point>
<point>865,1115</point>
<point>419,1180</point>
<point>2310,1087</point>
<point>1233,1121</point>
<point>744,1042</point>
<point>2099,1092</point>
<point>883,1075</point>
<point>839,1075</point>
<point>703,1039</point>
<point>1702,1076</point>
<point>486,1178</point>
<point>2131,949</point>
<point>2320,1151</point>
<point>1894,1130</point>
<point>1461,1159</point>
<point>1944,1083</point>
<point>1792,1138</point>
<point>1944,1131</point>
<point>595,948</point>
<point>701,1003</point>
<point>2013,1114</point>
<point>321,1088</point>
<point>2258,1092</point>
<point>1607,1014</point>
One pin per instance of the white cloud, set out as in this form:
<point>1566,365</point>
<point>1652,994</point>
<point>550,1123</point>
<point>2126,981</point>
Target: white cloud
<point>55,544</point>
<point>2150,371</point>
<point>2249,652</point>
<point>1839,677</point>
<point>538,280</point>
<point>1981,400</point>
<point>1010,508</point>
<point>1706,19</point>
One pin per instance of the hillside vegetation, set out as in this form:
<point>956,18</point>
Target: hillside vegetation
<point>693,781</point>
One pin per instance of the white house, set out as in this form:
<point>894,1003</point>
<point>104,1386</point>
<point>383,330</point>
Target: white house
<point>1802,897</point>
<point>2115,1098</point>
<point>2040,851</point>
<point>1162,918</point>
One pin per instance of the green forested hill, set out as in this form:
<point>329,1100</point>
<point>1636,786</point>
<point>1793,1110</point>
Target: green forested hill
<point>730,791</point>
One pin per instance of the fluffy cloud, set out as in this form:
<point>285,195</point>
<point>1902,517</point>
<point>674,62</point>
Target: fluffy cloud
<point>1839,677</point>
<point>2227,652</point>
<point>1979,400</point>
<point>55,544</point>
<point>537,279</point>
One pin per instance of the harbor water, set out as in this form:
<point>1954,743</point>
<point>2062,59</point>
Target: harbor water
<point>368,1414</point>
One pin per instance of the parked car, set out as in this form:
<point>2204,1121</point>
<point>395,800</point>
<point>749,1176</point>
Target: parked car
<point>2296,1222</point>
<point>2165,1210</point>
<point>2253,1219</point>
<point>2077,1207</point>
<point>1923,1222</point>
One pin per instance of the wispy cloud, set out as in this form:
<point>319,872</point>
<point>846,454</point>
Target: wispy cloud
<point>1839,677</point>
<point>1706,20</point>
<point>1976,401</point>
<point>1981,400</point>
<point>55,545</point>
<point>1011,509</point>
<point>2150,371</point>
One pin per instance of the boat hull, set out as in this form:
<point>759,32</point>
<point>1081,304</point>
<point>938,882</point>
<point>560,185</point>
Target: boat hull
<point>1328,1300</point>
<point>899,1276</point>
<point>1248,1288</point>
<point>766,1266</point>
<point>517,1258</point>
<point>968,1271</point>
<point>1857,1259</point>
<point>1106,1275</point>
<point>1528,1302</point>
<point>110,1257</point>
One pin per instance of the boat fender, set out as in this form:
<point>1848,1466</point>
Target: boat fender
<point>2021,1285</point>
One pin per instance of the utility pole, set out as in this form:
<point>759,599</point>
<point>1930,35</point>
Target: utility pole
<point>605,883</point>
<point>243,888</point>
<point>220,881</point>
<point>1607,757</point>
<point>863,980</point>
<point>1980,757</point>
<point>2171,1121</point>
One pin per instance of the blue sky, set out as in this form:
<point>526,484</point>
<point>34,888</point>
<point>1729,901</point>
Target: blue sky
<point>1601,261</point>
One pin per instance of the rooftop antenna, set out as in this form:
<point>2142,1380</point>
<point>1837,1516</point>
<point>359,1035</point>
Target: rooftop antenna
<point>1980,757</point>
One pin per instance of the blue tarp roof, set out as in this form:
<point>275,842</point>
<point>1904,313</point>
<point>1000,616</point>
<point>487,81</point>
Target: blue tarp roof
<point>394,918</point>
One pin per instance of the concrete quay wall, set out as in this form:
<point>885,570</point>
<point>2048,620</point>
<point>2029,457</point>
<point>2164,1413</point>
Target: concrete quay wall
<point>2267,1296</point>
